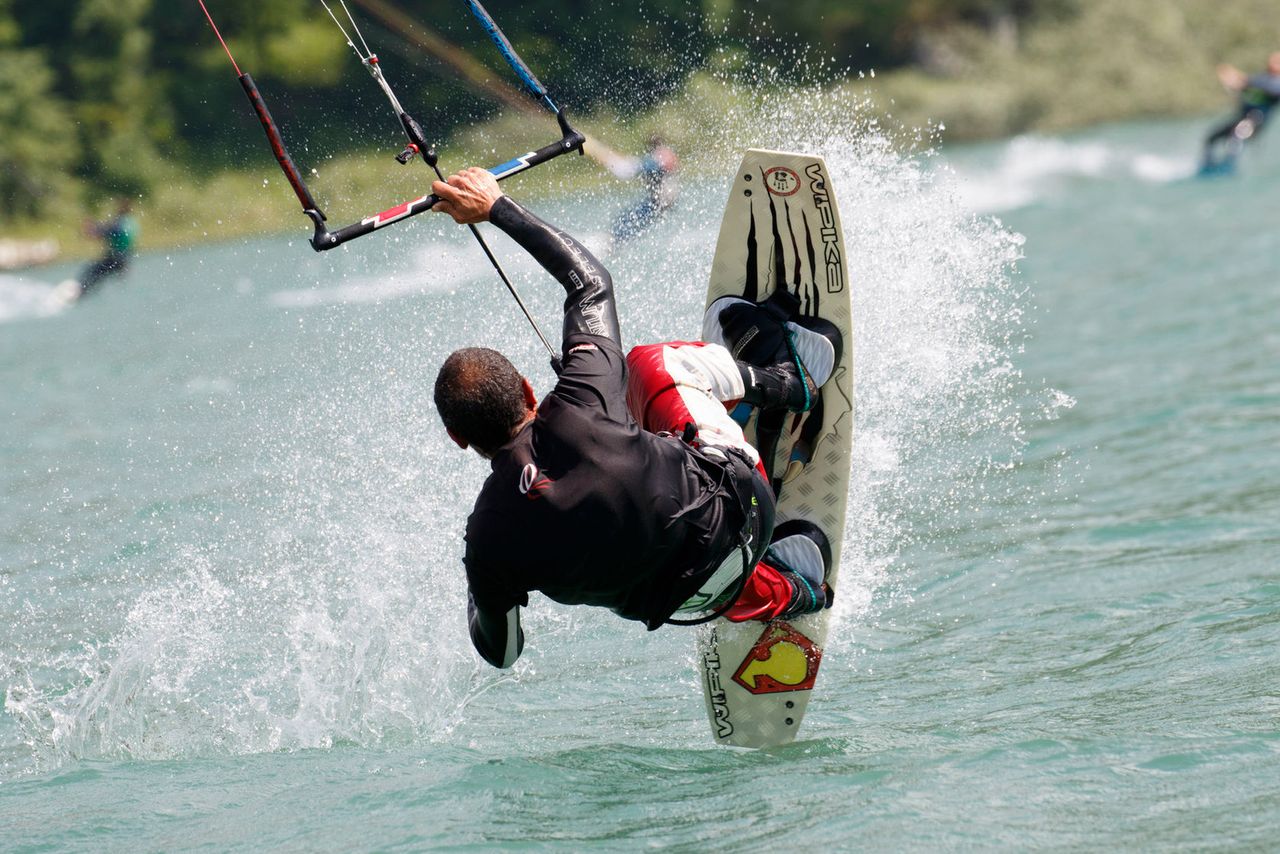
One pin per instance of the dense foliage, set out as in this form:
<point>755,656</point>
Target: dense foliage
<point>107,96</point>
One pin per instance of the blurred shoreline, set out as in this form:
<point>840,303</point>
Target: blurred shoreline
<point>1095,63</point>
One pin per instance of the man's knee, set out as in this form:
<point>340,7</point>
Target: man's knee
<point>652,391</point>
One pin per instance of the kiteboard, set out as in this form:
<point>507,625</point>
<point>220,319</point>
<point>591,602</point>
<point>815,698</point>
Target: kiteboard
<point>781,229</point>
<point>66,292</point>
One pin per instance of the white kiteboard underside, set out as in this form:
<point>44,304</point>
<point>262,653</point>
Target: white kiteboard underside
<point>781,229</point>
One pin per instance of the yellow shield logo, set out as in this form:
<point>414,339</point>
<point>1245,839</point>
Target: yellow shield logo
<point>781,660</point>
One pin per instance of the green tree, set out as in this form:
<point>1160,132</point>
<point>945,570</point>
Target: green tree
<point>36,152</point>
<point>120,108</point>
<point>869,33</point>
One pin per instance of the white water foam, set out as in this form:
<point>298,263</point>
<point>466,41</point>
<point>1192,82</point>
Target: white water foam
<point>1031,167</point>
<point>437,268</point>
<point>311,623</point>
<point>22,298</point>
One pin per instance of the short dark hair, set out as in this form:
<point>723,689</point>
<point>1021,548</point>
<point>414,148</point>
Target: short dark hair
<point>480,396</point>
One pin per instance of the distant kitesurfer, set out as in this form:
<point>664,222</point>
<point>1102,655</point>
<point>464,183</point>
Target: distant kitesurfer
<point>657,171</point>
<point>1258,95</point>
<point>118,236</point>
<point>628,486</point>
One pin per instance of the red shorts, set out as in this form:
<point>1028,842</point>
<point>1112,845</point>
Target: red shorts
<point>683,385</point>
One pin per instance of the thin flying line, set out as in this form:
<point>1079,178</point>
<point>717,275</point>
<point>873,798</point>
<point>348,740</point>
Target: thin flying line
<point>220,38</point>
<point>356,27</point>
<point>350,42</point>
<point>370,61</point>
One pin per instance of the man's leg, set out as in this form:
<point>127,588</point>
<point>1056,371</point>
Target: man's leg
<point>635,220</point>
<point>784,358</point>
<point>1222,132</point>
<point>95,273</point>
<point>1224,144</point>
<point>790,580</point>
<point>671,386</point>
<point>686,389</point>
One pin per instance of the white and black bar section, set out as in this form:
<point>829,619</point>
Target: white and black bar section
<point>325,239</point>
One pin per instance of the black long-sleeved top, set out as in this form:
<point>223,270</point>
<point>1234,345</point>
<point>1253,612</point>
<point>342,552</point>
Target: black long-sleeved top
<point>582,504</point>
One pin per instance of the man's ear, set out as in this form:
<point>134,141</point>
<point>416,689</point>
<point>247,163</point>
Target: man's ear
<point>530,399</point>
<point>457,440</point>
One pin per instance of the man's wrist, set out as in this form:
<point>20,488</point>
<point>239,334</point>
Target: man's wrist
<point>499,205</point>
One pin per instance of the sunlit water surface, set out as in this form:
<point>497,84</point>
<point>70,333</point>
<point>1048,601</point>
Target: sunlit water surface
<point>230,536</point>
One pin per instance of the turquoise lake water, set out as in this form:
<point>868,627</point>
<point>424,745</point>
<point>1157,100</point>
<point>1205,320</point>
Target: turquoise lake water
<point>230,537</point>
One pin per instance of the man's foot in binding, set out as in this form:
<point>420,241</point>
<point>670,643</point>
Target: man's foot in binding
<point>784,359</point>
<point>790,580</point>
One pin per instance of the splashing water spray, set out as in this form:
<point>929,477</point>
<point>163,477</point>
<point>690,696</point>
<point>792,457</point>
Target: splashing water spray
<point>335,615</point>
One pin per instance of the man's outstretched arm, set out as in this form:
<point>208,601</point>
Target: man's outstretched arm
<point>473,195</point>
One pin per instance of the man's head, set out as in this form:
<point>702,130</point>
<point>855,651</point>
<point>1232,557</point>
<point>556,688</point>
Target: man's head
<point>482,398</point>
<point>1273,63</point>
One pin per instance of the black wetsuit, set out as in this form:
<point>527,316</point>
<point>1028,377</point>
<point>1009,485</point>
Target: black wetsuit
<point>583,505</point>
<point>1259,96</point>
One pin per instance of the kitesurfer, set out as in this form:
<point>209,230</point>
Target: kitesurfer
<point>1259,93</point>
<point>657,173</point>
<point>118,236</point>
<point>628,486</point>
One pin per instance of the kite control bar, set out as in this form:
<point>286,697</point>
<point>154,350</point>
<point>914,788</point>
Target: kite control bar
<point>325,239</point>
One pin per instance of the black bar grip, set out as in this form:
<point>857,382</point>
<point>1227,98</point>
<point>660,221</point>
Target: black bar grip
<point>277,145</point>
